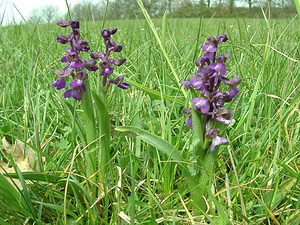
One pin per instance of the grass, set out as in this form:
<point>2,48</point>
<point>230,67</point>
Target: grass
<point>257,175</point>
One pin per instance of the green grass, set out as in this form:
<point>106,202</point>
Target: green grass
<point>257,175</point>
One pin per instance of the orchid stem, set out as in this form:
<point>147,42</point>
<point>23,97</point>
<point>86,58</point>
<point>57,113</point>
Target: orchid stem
<point>90,128</point>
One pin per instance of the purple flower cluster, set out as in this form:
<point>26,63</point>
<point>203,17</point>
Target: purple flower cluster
<point>75,65</point>
<point>208,79</point>
<point>78,67</point>
<point>107,64</point>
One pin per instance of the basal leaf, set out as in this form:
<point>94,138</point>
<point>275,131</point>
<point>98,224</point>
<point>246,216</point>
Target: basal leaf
<point>154,140</point>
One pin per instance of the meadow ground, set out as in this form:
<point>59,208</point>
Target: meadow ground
<point>256,180</point>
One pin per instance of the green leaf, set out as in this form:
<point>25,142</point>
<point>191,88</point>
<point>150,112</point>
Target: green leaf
<point>104,134</point>
<point>58,208</point>
<point>297,4</point>
<point>155,94</point>
<point>3,222</point>
<point>155,141</point>
<point>276,196</point>
<point>10,194</point>
<point>198,135</point>
<point>26,193</point>
<point>36,176</point>
<point>290,170</point>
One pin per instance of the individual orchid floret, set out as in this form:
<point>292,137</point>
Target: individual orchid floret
<point>188,122</point>
<point>76,66</point>
<point>119,82</point>
<point>210,75</point>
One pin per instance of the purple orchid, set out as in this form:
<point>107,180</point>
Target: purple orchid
<point>210,75</point>
<point>76,66</point>
<point>107,64</point>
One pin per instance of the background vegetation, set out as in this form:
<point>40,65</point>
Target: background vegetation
<point>128,9</point>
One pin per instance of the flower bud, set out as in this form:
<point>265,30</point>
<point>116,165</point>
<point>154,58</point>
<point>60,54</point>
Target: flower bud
<point>114,30</point>
<point>119,62</point>
<point>105,33</point>
<point>118,48</point>
<point>62,39</point>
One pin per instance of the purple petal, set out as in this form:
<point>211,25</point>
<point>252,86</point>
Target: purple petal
<point>107,71</point>
<point>63,23</point>
<point>118,48</point>
<point>62,39</point>
<point>217,141</point>
<point>186,111</point>
<point>119,82</point>
<point>208,47</point>
<point>76,65</point>
<point>94,68</point>
<point>224,116</point>
<point>64,59</point>
<point>232,93</point>
<point>220,103</point>
<point>124,85</point>
<point>105,63</point>
<point>120,78</point>
<point>219,67</point>
<point>81,45</point>
<point>60,83</point>
<point>204,72</point>
<point>90,63</point>
<point>217,95</point>
<point>113,30</point>
<point>68,72</point>
<point>111,44</point>
<point>81,75</point>
<point>119,62</point>
<point>95,55</point>
<point>74,24</point>
<point>68,94</point>
<point>212,132</point>
<point>201,104</point>
<point>105,33</point>
<point>203,60</point>
<point>223,120</point>
<point>72,94</point>
<point>58,72</point>
<point>186,84</point>
<point>222,38</point>
<point>212,40</point>
<point>233,81</point>
<point>189,122</point>
<point>76,83</point>
<point>222,68</point>
<point>222,58</point>
<point>198,84</point>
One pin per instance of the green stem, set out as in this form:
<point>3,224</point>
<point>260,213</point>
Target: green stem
<point>297,4</point>
<point>202,180</point>
<point>104,134</point>
<point>198,135</point>
<point>90,130</point>
<point>202,185</point>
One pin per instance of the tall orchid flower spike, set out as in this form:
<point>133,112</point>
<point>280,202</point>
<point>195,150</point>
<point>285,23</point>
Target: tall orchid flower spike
<point>211,73</point>
<point>76,67</point>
